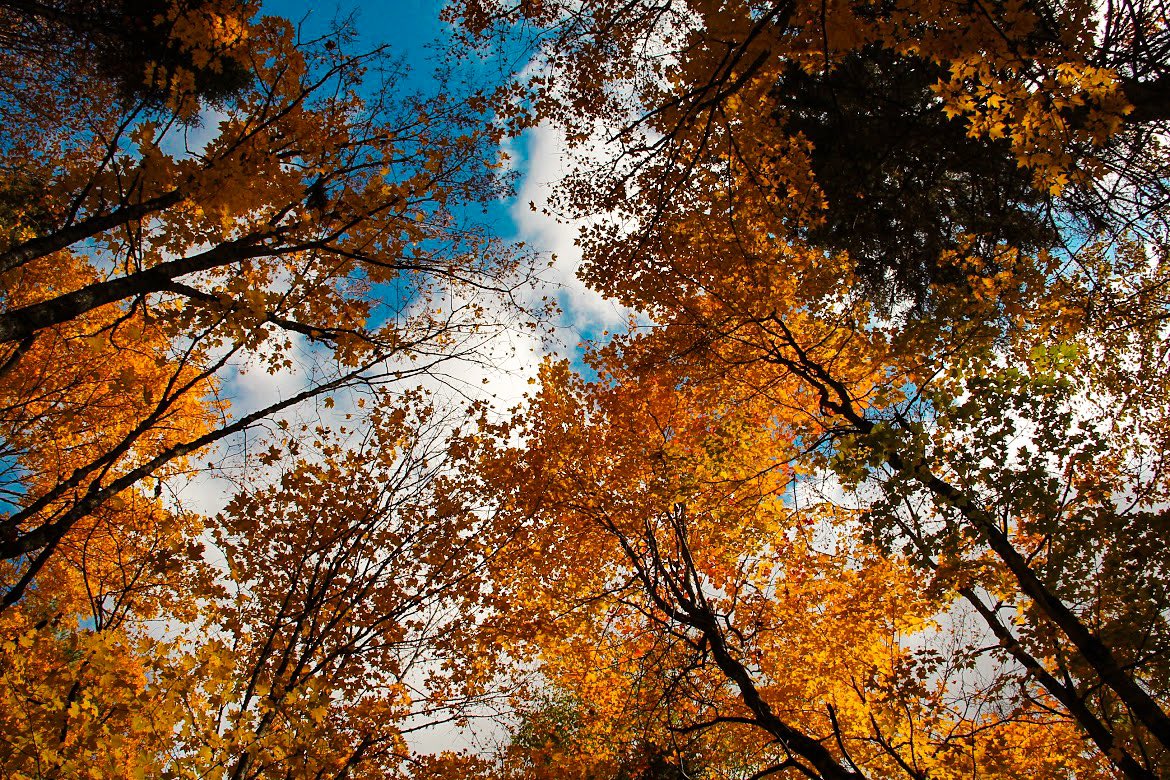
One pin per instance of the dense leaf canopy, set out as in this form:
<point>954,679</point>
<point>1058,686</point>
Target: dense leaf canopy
<point>875,485</point>
<point>907,268</point>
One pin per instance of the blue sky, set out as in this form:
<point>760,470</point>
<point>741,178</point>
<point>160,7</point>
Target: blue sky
<point>407,25</point>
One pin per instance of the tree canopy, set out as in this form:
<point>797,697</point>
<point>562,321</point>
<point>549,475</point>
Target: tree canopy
<point>881,489</point>
<point>313,235</point>
<point>874,485</point>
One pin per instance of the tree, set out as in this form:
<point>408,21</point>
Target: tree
<point>1001,471</point>
<point>753,633</point>
<point>340,616</point>
<point>295,634</point>
<point>308,198</point>
<point>165,55</point>
<point>995,420</point>
<point>356,576</point>
<point>917,127</point>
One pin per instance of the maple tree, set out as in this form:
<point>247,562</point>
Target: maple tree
<point>308,197</point>
<point>691,470</point>
<point>232,197</point>
<point>355,576</point>
<point>894,133</point>
<point>877,488</point>
<point>157,52</point>
<point>337,616</point>
<point>920,251</point>
<point>689,602</point>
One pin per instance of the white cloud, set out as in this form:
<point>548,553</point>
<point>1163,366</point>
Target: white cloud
<point>585,310</point>
<point>191,140</point>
